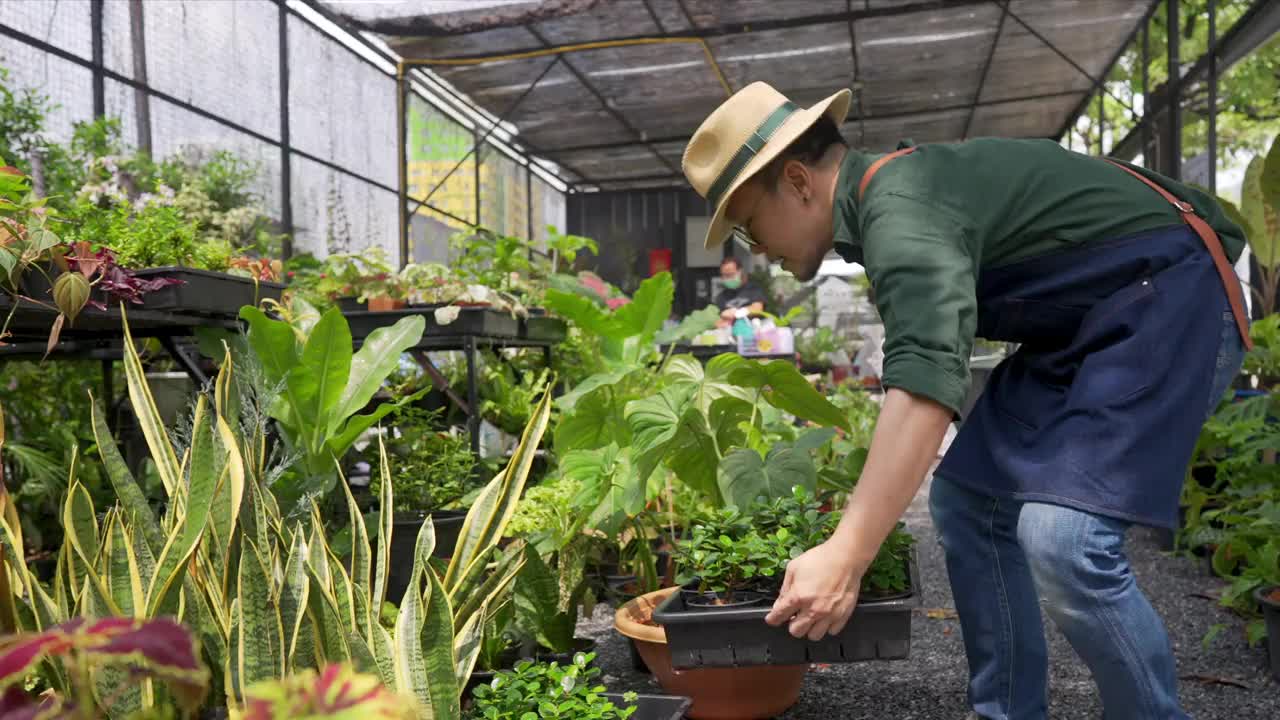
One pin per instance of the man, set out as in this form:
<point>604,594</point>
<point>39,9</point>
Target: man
<point>1131,327</point>
<point>739,292</point>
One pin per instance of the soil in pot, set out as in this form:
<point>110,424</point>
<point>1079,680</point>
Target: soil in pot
<point>1269,598</point>
<point>713,600</point>
<point>746,693</point>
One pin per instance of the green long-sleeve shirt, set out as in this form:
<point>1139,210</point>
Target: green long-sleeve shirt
<point>932,220</point>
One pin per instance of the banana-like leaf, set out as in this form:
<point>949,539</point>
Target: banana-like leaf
<point>259,640</point>
<point>187,533</point>
<point>126,488</point>
<point>144,409</point>
<point>411,662</point>
<point>436,642</point>
<point>123,576</point>
<point>378,357</point>
<point>299,648</point>
<point>386,520</point>
<point>317,382</point>
<point>495,505</point>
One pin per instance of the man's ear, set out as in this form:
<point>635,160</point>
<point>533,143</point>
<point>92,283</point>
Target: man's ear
<point>797,175</point>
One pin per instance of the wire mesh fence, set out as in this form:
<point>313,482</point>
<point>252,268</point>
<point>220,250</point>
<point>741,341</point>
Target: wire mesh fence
<point>318,120</point>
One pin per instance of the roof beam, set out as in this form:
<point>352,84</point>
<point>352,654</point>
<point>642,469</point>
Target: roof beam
<point>726,29</point>
<point>986,70</point>
<point>553,151</point>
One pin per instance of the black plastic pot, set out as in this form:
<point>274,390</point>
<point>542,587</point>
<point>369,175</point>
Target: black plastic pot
<point>537,326</point>
<point>655,707</point>
<point>580,645</point>
<point>1271,616</point>
<point>404,538</point>
<point>205,293</point>
<point>879,629</point>
<point>350,304</point>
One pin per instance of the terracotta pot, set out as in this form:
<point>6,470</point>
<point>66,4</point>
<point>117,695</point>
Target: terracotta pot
<point>383,303</point>
<point>746,693</point>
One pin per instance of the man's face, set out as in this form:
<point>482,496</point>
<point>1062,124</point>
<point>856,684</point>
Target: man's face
<point>784,226</point>
<point>729,271</point>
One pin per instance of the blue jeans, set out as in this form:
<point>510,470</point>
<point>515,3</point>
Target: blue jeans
<point>1007,558</point>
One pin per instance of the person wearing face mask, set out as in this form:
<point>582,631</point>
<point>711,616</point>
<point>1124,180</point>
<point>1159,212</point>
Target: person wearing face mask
<point>1117,284</point>
<point>739,292</point>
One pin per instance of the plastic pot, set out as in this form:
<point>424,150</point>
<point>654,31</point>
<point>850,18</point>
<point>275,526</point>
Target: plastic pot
<point>404,538</point>
<point>655,707</point>
<point>695,600</point>
<point>580,645</point>
<point>741,693</point>
<point>1268,596</point>
<point>382,303</point>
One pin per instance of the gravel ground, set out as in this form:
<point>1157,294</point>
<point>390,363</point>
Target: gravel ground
<point>931,684</point>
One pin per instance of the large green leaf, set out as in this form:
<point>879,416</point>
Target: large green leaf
<point>377,358</point>
<point>694,324</point>
<point>496,503</point>
<point>1270,180</point>
<point>317,382</point>
<point>649,307</point>
<point>786,389</point>
<point>259,636</point>
<point>342,441</point>
<point>744,476</point>
<point>583,313</point>
<point>595,421</point>
<point>654,422</point>
<point>1262,216</point>
<point>609,485</point>
<point>273,343</point>
<point>693,454</point>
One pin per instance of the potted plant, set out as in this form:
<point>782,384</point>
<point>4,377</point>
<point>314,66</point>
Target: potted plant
<point>551,690</point>
<point>711,624</point>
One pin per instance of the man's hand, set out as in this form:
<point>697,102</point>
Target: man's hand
<point>819,592</point>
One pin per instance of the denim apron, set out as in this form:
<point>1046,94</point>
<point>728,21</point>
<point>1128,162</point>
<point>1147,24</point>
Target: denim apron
<point>1101,406</point>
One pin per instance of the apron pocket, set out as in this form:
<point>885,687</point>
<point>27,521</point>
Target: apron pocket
<point>1035,322</point>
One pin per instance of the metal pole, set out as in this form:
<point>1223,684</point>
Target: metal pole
<point>1147,117</point>
<point>473,395</point>
<point>528,202</point>
<point>402,127</point>
<point>1102,122</point>
<point>1213,96</point>
<point>142,101</point>
<point>1173,93</point>
<point>286,171</point>
<point>479,156</point>
<point>99,80</point>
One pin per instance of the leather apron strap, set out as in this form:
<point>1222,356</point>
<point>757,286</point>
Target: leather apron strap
<point>1212,242</point>
<point>875,167</point>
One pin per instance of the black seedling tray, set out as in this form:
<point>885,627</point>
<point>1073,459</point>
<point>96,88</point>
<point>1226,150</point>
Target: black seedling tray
<point>739,637</point>
<point>203,292</point>
<point>470,321</point>
<point>655,707</point>
<point>540,327</point>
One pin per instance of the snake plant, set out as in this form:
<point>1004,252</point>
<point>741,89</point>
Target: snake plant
<point>266,598</point>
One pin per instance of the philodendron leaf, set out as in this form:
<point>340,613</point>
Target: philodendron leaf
<point>694,324</point>
<point>786,389</point>
<point>649,308</point>
<point>610,489</point>
<point>377,358</point>
<point>596,420</point>
<point>1262,216</point>
<point>585,314</point>
<point>654,422</point>
<point>744,476</point>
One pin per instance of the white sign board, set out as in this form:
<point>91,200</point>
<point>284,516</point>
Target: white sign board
<point>695,231</point>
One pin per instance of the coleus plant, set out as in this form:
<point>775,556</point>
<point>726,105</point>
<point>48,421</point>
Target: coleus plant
<point>266,597</point>
<point>338,692</point>
<point>95,655</point>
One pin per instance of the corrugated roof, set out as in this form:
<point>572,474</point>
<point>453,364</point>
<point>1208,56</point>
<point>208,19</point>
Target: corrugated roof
<point>929,70</point>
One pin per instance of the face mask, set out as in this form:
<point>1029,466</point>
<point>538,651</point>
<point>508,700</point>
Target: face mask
<point>733,283</point>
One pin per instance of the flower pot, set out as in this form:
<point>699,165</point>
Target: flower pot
<point>654,707</point>
<point>1268,596</point>
<point>382,303</point>
<point>742,693</point>
<point>172,392</point>
<point>580,645</point>
<point>404,538</point>
<point>349,304</point>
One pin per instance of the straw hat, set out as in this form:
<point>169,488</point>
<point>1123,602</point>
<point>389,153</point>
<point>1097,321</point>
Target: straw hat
<point>737,140</point>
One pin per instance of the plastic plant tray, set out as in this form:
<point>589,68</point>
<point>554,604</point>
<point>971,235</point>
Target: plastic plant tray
<point>206,293</point>
<point>470,321</point>
<point>740,637</point>
<point>655,707</point>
